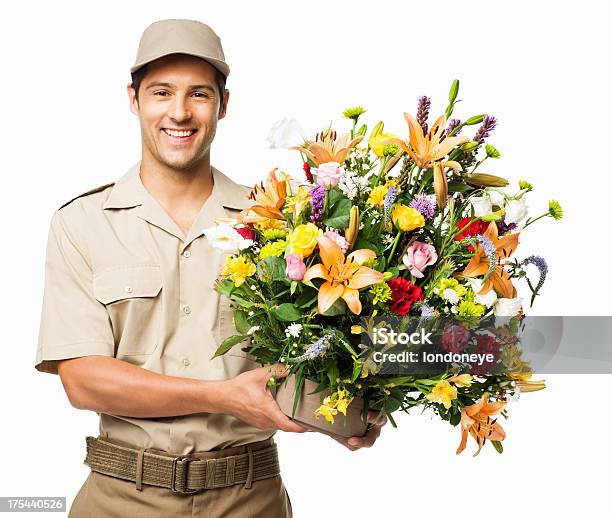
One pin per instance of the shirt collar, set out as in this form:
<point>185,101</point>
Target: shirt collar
<point>129,191</point>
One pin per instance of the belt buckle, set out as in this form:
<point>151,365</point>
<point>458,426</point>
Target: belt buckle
<point>182,458</point>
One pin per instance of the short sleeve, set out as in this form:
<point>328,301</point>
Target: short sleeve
<point>73,323</point>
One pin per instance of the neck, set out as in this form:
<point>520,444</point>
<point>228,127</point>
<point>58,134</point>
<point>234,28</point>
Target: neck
<point>188,187</point>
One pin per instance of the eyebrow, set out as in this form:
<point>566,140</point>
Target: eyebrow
<point>191,87</point>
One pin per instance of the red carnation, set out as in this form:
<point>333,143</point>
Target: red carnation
<point>246,233</point>
<point>455,338</point>
<point>477,227</point>
<point>308,173</point>
<point>403,294</point>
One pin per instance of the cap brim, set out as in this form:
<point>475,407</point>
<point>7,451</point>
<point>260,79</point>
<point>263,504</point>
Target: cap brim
<point>219,65</point>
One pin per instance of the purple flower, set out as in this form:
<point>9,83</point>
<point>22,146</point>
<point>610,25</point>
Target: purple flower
<point>503,227</point>
<point>452,124</point>
<point>489,250</point>
<point>390,198</point>
<point>317,201</point>
<point>316,349</point>
<point>425,204</point>
<point>423,112</point>
<point>487,126</point>
<point>540,264</point>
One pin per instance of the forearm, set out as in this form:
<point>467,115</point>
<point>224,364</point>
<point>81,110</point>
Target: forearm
<point>111,386</point>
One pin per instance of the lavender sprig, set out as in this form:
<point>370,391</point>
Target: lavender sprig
<point>316,349</point>
<point>423,112</point>
<point>489,249</point>
<point>540,263</point>
<point>452,124</point>
<point>488,125</point>
<point>390,198</point>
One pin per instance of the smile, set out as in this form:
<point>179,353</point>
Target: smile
<point>179,135</point>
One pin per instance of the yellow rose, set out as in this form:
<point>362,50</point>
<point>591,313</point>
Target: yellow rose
<point>377,196</point>
<point>303,239</point>
<point>407,218</point>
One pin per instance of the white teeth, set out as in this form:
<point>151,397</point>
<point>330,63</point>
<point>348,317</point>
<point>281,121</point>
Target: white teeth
<point>174,133</point>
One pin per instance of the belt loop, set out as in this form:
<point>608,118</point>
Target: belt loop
<point>249,479</point>
<point>210,473</point>
<point>139,469</point>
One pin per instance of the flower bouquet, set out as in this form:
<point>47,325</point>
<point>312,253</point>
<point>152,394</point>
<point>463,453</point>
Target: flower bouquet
<point>381,228</point>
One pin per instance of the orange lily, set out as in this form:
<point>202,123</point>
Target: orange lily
<point>343,276</point>
<point>440,182</point>
<point>476,419</point>
<point>479,264</point>
<point>269,200</point>
<point>424,149</point>
<point>329,148</point>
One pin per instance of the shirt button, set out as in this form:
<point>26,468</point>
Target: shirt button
<point>186,310</point>
<point>186,253</point>
<point>128,289</point>
<point>186,362</point>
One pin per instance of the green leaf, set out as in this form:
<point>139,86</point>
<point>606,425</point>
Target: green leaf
<point>228,343</point>
<point>271,269</point>
<point>332,372</point>
<point>241,322</point>
<point>286,312</point>
<point>356,370</point>
<point>339,216</point>
<point>459,187</point>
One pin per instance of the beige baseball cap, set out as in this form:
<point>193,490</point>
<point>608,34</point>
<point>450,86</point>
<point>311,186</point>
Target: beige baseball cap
<point>166,37</point>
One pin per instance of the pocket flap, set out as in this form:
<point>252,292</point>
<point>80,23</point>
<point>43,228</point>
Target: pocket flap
<point>125,282</point>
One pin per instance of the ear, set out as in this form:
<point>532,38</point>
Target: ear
<point>223,107</point>
<point>132,97</point>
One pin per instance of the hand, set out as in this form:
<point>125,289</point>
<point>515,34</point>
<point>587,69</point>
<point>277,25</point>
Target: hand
<point>248,398</point>
<point>354,443</point>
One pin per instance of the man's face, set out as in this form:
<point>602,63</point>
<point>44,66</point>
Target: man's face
<point>178,107</point>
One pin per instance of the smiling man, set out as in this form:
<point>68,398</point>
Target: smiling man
<point>131,319</point>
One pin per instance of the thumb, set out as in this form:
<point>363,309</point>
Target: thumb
<point>279,370</point>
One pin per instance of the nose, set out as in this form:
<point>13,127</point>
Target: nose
<point>179,109</point>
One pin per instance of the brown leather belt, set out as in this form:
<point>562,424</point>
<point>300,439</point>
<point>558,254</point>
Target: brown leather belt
<point>185,473</point>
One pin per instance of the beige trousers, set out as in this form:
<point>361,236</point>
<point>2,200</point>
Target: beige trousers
<point>102,496</point>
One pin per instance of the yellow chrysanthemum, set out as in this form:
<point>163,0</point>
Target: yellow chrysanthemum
<point>238,269</point>
<point>303,239</point>
<point>406,218</point>
<point>443,393</point>
<point>271,224</point>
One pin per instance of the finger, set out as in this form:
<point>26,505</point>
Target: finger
<point>278,370</point>
<point>377,418</point>
<point>345,443</point>
<point>282,421</point>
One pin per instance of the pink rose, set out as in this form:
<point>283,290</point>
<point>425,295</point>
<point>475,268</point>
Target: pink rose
<point>418,257</point>
<point>295,267</point>
<point>338,239</point>
<point>328,173</point>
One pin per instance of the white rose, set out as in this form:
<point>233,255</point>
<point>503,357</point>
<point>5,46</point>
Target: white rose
<point>488,299</point>
<point>516,211</point>
<point>285,133</point>
<point>507,307</point>
<point>482,206</point>
<point>224,237</point>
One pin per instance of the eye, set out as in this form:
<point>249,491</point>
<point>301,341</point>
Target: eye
<point>202,95</point>
<point>161,93</point>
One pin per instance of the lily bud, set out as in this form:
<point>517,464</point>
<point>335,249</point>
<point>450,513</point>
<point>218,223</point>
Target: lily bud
<point>469,146</point>
<point>476,119</point>
<point>378,127</point>
<point>350,234</point>
<point>494,216</point>
<point>486,180</point>
<point>361,131</point>
<point>454,90</point>
<point>440,185</point>
<point>387,276</point>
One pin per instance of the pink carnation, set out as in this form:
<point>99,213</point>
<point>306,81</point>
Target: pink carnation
<point>338,239</point>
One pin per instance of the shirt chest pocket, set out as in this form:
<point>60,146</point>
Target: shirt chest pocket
<point>131,294</point>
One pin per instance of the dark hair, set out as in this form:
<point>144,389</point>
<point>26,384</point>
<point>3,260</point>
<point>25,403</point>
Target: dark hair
<point>139,75</point>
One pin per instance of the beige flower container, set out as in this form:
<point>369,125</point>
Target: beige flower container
<point>350,426</point>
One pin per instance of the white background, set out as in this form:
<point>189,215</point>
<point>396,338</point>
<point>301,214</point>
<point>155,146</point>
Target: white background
<point>541,68</point>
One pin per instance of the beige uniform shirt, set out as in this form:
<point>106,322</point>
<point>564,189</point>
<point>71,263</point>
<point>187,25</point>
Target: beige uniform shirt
<point>123,280</point>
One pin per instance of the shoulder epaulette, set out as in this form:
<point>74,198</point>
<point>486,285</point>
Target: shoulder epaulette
<point>92,191</point>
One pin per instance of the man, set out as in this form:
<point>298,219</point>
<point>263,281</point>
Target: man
<point>131,319</point>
